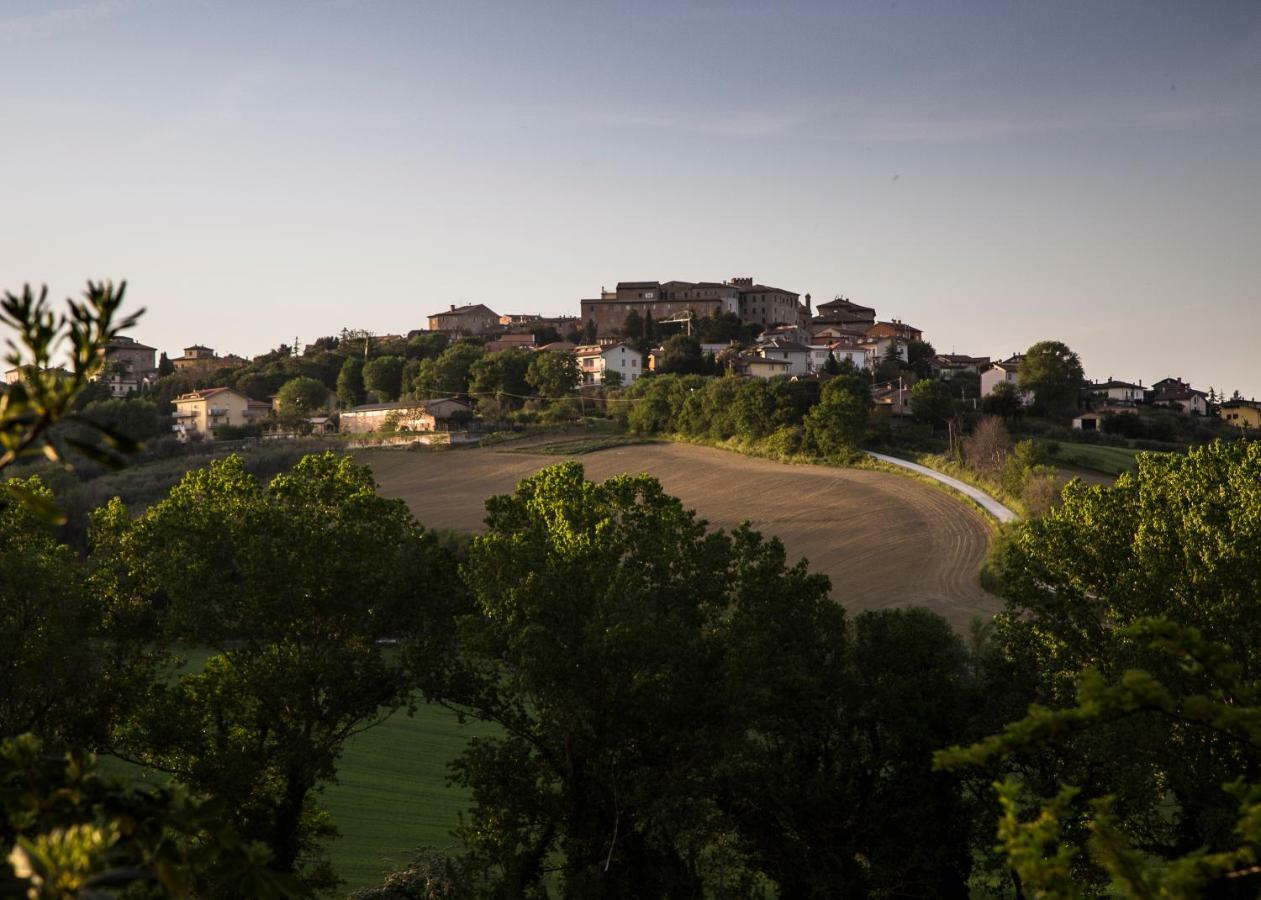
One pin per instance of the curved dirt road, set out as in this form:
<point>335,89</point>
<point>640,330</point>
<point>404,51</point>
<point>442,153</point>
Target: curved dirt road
<point>884,540</point>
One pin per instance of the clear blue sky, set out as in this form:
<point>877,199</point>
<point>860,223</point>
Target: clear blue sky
<point>993,173</point>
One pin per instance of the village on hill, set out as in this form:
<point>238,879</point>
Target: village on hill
<point>738,327</point>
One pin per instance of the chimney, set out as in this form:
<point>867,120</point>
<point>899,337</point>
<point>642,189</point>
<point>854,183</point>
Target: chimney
<point>452,307</point>
<point>808,304</point>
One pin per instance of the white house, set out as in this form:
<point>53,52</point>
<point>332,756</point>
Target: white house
<point>796,355</point>
<point>1119,391</point>
<point>877,348</point>
<point>843,352</point>
<point>1005,372</point>
<point>595,362</point>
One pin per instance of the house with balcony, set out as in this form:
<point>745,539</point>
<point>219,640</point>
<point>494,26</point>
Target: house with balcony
<point>596,361</point>
<point>199,413</point>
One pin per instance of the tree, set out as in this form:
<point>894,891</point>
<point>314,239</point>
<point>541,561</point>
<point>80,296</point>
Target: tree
<point>165,366</point>
<point>293,586</point>
<point>448,374</point>
<point>590,332</point>
<point>931,403</point>
<point>1053,374</point>
<point>891,364</point>
<point>502,376</point>
<point>135,419</point>
<point>1004,401</point>
<point>384,377</point>
<point>1124,611</point>
<point>658,401</point>
<point>722,328</point>
<point>682,356</point>
<point>612,379</point>
<point>832,785</point>
<point>55,680</point>
<point>545,335</point>
<point>350,388</point>
<point>45,395</point>
<point>603,670</point>
<point>553,375</point>
<point>651,332</point>
<point>69,830</point>
<point>831,366</point>
<point>837,424</point>
<point>301,397</point>
<point>633,325</point>
<point>919,358</point>
<point>427,346</point>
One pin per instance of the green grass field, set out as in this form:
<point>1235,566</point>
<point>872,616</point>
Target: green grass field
<point>392,794</point>
<point>1098,458</point>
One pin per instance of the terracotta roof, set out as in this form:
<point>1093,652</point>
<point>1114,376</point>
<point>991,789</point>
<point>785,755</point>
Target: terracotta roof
<point>465,310</point>
<point>125,343</point>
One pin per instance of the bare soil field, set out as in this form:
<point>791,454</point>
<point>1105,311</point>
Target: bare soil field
<point>883,539</point>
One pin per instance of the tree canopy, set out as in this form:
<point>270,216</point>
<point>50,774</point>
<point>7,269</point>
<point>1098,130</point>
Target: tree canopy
<point>383,375</point>
<point>552,374</point>
<point>1125,614</point>
<point>292,585</point>
<point>837,424</point>
<point>301,396</point>
<point>1053,373</point>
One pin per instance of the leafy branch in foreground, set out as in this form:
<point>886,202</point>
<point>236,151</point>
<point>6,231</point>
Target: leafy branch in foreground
<point>75,833</point>
<point>45,393</point>
<point>1217,697</point>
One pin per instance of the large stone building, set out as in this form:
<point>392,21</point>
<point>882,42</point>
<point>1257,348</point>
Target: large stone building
<point>474,318</point>
<point>845,315</point>
<point>201,361</point>
<point>673,300</point>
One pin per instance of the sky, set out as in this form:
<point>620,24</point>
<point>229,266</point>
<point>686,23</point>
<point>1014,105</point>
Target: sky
<point>993,173</point>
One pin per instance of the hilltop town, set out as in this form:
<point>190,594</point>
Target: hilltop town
<point>466,371</point>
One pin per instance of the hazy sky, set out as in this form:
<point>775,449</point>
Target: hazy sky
<point>993,173</point>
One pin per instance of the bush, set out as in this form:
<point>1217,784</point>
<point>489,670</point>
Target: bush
<point>236,432</point>
<point>560,411</point>
<point>785,442</point>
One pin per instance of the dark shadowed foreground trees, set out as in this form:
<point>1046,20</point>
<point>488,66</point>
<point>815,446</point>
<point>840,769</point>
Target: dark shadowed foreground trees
<point>683,712</point>
<point>1132,624</point>
<point>293,585</point>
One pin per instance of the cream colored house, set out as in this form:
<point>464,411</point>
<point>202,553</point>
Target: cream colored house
<point>201,412</point>
<point>447,414</point>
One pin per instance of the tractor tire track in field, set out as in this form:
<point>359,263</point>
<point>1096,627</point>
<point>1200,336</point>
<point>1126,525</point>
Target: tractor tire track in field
<point>883,539</point>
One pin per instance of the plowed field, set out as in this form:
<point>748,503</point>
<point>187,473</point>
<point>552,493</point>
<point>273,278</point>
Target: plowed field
<point>883,539</point>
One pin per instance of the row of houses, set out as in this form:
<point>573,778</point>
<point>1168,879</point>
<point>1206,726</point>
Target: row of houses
<point>199,414</point>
